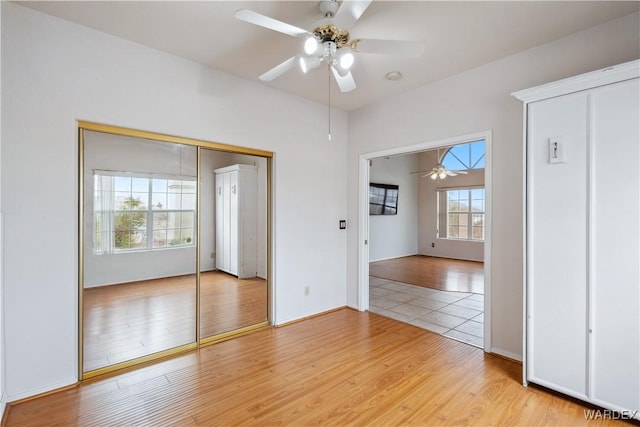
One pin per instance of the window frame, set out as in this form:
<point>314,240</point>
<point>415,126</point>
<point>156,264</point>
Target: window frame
<point>149,213</point>
<point>470,165</point>
<point>442,226</point>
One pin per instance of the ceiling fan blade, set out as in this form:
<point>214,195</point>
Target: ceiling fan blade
<point>390,47</point>
<point>270,23</point>
<point>460,172</point>
<point>349,12</point>
<point>279,69</point>
<point>346,83</point>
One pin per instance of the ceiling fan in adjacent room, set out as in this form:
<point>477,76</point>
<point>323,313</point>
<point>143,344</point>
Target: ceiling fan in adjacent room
<point>329,42</point>
<point>440,172</point>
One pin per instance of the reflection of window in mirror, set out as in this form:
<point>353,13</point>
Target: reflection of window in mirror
<point>139,246</point>
<point>140,209</point>
<point>142,212</point>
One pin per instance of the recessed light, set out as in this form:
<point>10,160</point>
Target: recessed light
<point>394,76</point>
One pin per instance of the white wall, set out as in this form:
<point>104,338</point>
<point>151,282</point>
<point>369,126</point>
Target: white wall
<point>56,72</point>
<point>428,212</point>
<point>3,394</point>
<point>393,236</point>
<point>475,101</point>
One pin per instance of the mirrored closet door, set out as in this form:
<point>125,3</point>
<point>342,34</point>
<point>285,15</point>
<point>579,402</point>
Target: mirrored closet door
<point>139,284</point>
<point>173,245</point>
<point>233,250</point>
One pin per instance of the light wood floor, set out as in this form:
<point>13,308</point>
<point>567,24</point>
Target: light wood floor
<point>228,303</point>
<point>123,322</point>
<point>342,368</point>
<point>437,273</point>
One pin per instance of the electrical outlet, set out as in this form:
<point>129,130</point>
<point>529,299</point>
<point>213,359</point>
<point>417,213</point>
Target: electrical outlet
<point>433,245</point>
<point>306,291</point>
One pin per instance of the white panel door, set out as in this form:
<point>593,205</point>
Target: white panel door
<point>247,223</point>
<point>615,246</point>
<point>220,225</point>
<point>557,245</point>
<point>233,222</point>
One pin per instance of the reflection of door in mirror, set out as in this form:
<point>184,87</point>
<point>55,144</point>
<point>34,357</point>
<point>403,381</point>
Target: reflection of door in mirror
<point>139,248</point>
<point>233,246</point>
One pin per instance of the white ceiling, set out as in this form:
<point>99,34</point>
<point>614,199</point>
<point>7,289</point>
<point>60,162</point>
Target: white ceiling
<point>458,35</point>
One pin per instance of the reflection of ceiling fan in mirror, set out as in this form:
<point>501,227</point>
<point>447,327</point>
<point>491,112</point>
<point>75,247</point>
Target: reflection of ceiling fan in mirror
<point>329,42</point>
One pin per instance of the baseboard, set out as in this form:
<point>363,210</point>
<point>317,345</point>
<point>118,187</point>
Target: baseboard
<point>393,257</point>
<point>506,354</point>
<point>6,406</point>
<point>302,319</point>
<point>41,391</point>
<point>427,255</point>
<point>133,282</point>
<point>451,257</point>
<point>4,409</point>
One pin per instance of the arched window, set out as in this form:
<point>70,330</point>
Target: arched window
<point>461,210</point>
<point>464,156</point>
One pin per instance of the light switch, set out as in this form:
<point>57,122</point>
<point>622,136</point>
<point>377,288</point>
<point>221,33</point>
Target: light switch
<point>556,150</point>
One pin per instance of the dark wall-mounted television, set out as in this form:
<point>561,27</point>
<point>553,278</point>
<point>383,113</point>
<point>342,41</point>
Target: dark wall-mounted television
<point>383,199</point>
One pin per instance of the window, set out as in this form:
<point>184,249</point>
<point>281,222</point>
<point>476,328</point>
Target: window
<point>383,199</point>
<point>464,156</point>
<point>137,213</point>
<point>461,214</point>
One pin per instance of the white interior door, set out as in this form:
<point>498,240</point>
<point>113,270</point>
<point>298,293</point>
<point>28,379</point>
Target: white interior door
<point>220,226</point>
<point>615,246</point>
<point>557,244</point>
<point>226,220</point>
<point>233,222</point>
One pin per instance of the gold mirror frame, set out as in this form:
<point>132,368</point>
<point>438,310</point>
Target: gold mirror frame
<point>199,144</point>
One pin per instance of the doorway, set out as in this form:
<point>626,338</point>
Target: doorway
<point>466,303</point>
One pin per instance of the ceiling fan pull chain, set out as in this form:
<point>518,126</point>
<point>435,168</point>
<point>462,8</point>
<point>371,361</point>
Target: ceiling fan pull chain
<point>329,104</point>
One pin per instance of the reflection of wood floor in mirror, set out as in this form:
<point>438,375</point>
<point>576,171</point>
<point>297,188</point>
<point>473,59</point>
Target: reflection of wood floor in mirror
<point>122,322</point>
<point>228,303</point>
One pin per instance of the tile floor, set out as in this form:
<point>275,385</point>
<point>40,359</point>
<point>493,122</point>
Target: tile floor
<point>457,315</point>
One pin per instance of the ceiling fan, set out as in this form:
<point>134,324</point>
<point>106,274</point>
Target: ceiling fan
<point>440,172</point>
<point>329,41</point>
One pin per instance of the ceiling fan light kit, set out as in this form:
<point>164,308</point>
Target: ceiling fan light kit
<point>440,172</point>
<point>344,59</point>
<point>330,42</point>
<point>309,63</point>
<point>311,45</point>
